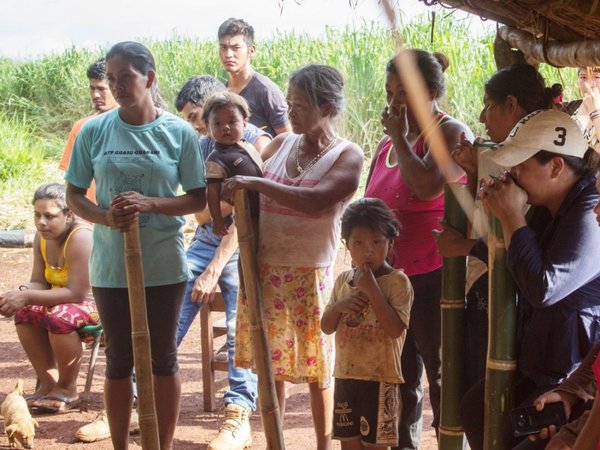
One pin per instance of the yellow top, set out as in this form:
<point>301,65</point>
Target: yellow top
<point>58,277</point>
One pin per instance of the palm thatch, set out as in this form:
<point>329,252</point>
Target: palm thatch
<point>557,32</point>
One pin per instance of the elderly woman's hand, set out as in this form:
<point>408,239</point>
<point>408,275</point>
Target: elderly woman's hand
<point>394,121</point>
<point>503,197</point>
<point>230,185</point>
<point>12,301</point>
<point>465,154</point>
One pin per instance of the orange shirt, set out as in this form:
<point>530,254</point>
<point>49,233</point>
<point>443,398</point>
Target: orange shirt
<point>66,157</point>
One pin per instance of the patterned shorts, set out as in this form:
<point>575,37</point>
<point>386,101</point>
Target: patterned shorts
<point>60,319</point>
<point>368,410</point>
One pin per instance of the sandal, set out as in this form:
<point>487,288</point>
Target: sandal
<point>54,404</point>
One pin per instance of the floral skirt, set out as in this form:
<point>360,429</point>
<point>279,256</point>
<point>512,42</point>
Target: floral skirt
<point>60,319</point>
<point>294,298</point>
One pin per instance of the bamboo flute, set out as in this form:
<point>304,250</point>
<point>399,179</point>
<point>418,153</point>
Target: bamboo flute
<point>267,396</point>
<point>501,363</point>
<point>451,433</point>
<point>140,338</point>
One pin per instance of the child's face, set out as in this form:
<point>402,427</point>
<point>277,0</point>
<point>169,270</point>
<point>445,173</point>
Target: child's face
<point>591,77</point>
<point>226,125</point>
<point>368,246</point>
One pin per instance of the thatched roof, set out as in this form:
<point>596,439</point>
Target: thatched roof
<point>551,24</point>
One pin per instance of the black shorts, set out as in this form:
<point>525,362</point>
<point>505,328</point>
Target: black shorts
<point>163,305</point>
<point>368,410</point>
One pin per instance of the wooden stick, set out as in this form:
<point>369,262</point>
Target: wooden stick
<point>267,396</point>
<point>140,338</point>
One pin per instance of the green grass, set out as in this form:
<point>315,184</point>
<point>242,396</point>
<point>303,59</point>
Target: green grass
<point>40,99</point>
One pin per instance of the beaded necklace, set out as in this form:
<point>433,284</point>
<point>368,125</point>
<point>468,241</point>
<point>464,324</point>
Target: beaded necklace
<point>313,161</point>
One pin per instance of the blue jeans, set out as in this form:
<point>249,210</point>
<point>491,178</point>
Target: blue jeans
<point>242,382</point>
<point>422,348</point>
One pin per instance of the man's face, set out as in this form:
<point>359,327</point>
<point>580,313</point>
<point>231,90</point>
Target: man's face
<point>102,98</point>
<point>234,53</point>
<point>193,114</point>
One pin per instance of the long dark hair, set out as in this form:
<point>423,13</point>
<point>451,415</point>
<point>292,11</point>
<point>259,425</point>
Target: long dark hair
<point>142,60</point>
<point>432,67</point>
<point>523,82</point>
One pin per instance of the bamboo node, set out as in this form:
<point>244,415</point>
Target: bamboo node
<point>143,333</point>
<point>506,365</point>
<point>451,431</point>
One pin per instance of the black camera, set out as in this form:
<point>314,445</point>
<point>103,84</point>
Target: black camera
<point>528,420</point>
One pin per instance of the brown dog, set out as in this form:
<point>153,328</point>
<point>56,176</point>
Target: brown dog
<point>19,426</point>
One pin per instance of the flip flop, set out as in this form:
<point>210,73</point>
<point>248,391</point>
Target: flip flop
<point>31,399</point>
<point>59,403</point>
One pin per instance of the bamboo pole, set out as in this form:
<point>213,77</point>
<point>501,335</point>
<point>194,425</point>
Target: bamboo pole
<point>267,396</point>
<point>501,359</point>
<point>565,54</point>
<point>140,338</point>
<point>451,433</point>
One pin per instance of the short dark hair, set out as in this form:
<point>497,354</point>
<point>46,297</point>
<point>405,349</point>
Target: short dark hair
<point>52,191</point>
<point>223,99</point>
<point>197,89</point>
<point>97,70</point>
<point>323,84</point>
<point>233,27</point>
<point>432,67</point>
<point>372,213</point>
<point>580,166</point>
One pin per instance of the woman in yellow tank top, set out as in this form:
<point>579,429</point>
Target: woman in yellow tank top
<point>55,303</point>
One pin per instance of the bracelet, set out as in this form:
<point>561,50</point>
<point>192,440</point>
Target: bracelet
<point>594,114</point>
<point>23,287</point>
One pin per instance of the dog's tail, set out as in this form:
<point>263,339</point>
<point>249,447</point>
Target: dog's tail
<point>19,387</point>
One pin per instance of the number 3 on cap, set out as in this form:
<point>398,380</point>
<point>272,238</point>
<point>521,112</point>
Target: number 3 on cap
<point>562,136</point>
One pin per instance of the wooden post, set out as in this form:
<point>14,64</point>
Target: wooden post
<point>451,433</point>
<point>140,338</point>
<point>501,359</point>
<point>267,396</point>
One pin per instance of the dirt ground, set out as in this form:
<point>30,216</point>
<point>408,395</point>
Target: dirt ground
<point>195,428</point>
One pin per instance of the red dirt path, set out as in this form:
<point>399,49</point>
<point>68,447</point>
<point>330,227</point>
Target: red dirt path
<point>195,427</point>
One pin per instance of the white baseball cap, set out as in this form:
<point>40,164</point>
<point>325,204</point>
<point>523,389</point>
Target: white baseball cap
<point>545,129</point>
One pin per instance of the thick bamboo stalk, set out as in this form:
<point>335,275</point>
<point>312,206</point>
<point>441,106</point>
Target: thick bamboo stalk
<point>564,54</point>
<point>451,433</point>
<point>501,359</point>
<point>140,338</point>
<point>267,396</point>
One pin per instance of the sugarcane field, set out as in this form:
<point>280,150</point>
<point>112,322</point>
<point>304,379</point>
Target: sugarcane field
<point>285,224</point>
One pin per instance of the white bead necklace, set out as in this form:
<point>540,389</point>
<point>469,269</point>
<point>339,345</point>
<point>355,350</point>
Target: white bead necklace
<point>313,161</point>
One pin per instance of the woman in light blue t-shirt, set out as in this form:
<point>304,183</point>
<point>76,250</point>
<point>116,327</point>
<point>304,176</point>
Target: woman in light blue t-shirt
<point>139,156</point>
